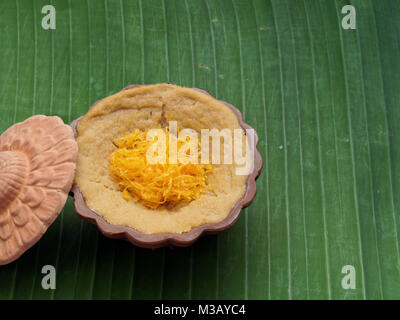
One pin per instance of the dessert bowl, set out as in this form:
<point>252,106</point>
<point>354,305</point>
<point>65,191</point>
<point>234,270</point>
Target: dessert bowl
<point>98,196</point>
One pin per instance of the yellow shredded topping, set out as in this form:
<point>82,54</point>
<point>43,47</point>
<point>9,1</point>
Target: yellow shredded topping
<point>157,184</point>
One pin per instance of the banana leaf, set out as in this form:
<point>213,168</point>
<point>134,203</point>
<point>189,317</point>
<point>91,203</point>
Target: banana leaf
<point>325,101</point>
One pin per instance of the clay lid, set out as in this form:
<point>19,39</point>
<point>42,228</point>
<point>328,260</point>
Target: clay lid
<point>154,241</point>
<point>37,167</point>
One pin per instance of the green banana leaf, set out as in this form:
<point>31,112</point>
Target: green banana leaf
<point>324,100</point>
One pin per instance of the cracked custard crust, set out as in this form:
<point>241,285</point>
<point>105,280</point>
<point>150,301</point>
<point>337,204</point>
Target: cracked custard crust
<point>142,108</point>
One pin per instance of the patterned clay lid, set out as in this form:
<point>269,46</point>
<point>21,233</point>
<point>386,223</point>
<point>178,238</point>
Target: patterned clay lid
<point>37,167</point>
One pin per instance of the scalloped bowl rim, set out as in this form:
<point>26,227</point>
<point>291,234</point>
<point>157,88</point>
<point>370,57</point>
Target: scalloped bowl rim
<point>158,240</point>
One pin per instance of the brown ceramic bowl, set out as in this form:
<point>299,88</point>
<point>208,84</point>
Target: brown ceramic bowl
<point>154,241</point>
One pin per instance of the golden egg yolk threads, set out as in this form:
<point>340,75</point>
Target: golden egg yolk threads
<point>158,184</point>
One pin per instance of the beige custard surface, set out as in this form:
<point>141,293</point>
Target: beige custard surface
<point>143,108</point>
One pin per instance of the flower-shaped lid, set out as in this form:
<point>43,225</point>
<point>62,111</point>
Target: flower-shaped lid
<point>37,166</point>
